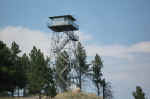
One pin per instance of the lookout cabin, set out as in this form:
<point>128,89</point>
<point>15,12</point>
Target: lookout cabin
<point>63,23</point>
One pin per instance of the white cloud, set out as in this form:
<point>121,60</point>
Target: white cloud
<point>83,36</point>
<point>141,47</point>
<point>126,66</point>
<point>25,38</point>
<point>119,51</point>
<point>126,76</point>
<point>107,50</point>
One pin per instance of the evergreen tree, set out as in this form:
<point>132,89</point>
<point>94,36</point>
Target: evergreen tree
<point>21,72</point>
<point>50,84</point>
<point>6,71</point>
<point>107,90</point>
<point>10,67</point>
<point>24,61</point>
<point>62,71</point>
<point>15,50</point>
<point>97,65</point>
<point>36,77</point>
<point>19,77</point>
<point>81,67</point>
<point>139,94</point>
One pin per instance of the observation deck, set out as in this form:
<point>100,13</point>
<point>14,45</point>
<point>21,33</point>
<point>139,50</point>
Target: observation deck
<point>63,23</point>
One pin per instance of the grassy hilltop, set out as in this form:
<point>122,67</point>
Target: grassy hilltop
<point>65,95</point>
<point>81,95</point>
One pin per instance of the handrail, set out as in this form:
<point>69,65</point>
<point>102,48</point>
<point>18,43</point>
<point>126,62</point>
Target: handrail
<point>58,23</point>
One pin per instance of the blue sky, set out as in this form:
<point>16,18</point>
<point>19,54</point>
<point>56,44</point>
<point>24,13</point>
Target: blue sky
<point>119,30</point>
<point>111,21</point>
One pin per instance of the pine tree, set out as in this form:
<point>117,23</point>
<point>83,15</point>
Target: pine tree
<point>11,70</point>
<point>81,67</point>
<point>97,65</point>
<point>107,90</point>
<point>139,94</point>
<point>19,75</point>
<point>50,84</point>
<point>36,77</point>
<point>24,61</point>
<point>6,71</point>
<point>62,71</point>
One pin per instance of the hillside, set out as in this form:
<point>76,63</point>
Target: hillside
<point>80,95</point>
<point>66,95</point>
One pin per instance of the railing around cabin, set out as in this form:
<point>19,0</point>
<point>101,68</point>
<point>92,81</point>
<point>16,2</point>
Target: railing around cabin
<point>62,22</point>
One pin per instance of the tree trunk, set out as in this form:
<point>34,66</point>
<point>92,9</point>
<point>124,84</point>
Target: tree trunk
<point>12,93</point>
<point>40,97</point>
<point>80,82</point>
<point>18,91</point>
<point>98,90</point>
<point>24,92</point>
<point>103,92</point>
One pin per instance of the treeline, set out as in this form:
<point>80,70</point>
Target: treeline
<point>29,72</point>
<point>35,73</point>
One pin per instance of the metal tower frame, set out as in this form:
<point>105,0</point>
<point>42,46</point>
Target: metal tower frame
<point>63,40</point>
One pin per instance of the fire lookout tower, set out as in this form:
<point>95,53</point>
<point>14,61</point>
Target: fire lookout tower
<point>63,27</point>
<point>63,37</point>
<point>63,23</point>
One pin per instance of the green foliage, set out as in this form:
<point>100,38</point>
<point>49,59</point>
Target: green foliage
<point>97,65</point>
<point>81,67</point>
<point>25,64</point>
<point>50,84</point>
<point>40,75</point>
<point>37,69</point>
<point>11,74</point>
<point>139,94</point>
<point>15,49</point>
<point>81,58</point>
<point>50,89</point>
<point>21,71</point>
<point>19,75</point>
<point>62,71</point>
<point>107,90</point>
<point>6,73</point>
<point>33,72</point>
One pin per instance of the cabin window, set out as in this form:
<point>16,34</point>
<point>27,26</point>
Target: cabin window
<point>58,21</point>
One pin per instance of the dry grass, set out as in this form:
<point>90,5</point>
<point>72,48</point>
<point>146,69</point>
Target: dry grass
<point>80,95</point>
<point>65,95</point>
<point>18,98</point>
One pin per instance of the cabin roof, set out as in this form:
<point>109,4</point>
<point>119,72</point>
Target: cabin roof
<point>69,16</point>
